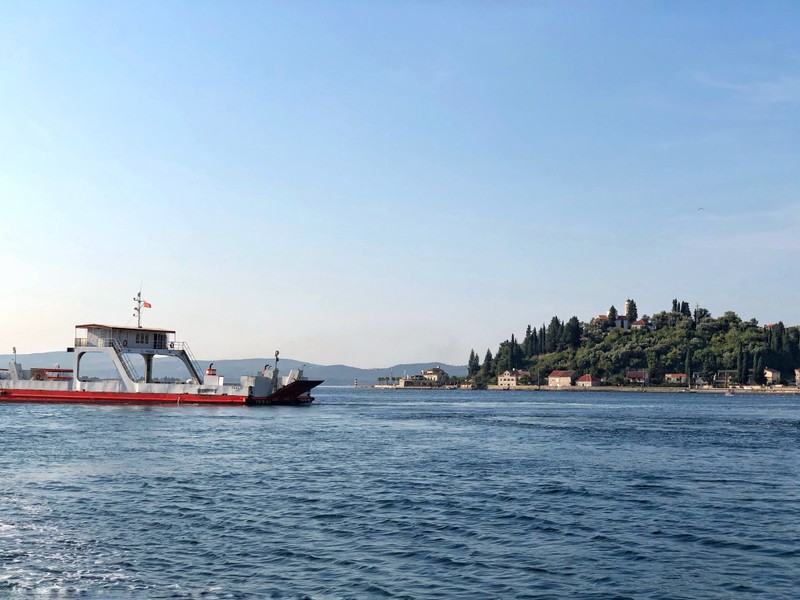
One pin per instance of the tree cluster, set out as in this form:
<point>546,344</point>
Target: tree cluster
<point>673,341</point>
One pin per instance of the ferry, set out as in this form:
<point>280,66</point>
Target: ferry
<point>118,343</point>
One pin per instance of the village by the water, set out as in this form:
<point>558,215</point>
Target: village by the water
<point>680,349</point>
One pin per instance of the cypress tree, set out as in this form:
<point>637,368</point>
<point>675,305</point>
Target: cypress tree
<point>572,333</point>
<point>739,367</point>
<point>783,342</point>
<point>687,366</point>
<point>473,365</point>
<point>553,335</point>
<point>512,353</point>
<point>758,370</point>
<point>774,340</point>
<point>612,315</point>
<point>527,343</point>
<point>633,312</point>
<point>743,375</point>
<point>487,369</point>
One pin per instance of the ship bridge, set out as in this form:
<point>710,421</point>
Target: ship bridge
<point>120,341</point>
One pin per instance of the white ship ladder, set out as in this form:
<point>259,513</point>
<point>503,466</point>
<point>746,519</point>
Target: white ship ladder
<point>193,361</point>
<point>130,370</point>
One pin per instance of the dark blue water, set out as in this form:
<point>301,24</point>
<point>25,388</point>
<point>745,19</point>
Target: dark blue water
<point>404,494</point>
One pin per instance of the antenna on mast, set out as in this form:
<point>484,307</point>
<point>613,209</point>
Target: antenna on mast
<point>137,310</point>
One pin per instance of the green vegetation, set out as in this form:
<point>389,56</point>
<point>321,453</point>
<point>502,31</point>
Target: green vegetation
<point>674,341</point>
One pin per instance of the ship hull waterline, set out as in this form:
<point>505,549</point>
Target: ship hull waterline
<point>296,393</point>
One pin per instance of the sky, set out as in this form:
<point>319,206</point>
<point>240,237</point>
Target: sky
<point>378,182</point>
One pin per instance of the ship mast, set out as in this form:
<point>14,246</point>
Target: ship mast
<point>137,310</point>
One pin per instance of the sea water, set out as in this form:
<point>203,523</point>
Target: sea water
<point>405,494</point>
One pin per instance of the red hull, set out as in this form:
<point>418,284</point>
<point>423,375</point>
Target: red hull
<point>70,397</point>
<point>294,393</point>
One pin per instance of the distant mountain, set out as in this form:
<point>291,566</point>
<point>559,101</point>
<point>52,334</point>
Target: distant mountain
<point>344,375</point>
<point>97,365</point>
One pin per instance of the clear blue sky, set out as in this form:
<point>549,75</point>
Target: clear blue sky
<point>379,182</point>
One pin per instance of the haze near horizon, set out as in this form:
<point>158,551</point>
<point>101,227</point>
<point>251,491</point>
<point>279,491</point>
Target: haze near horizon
<point>381,183</point>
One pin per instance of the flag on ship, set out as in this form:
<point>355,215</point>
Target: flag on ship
<point>147,305</point>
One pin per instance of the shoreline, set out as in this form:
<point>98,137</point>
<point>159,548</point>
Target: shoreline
<point>788,390</point>
<point>659,390</point>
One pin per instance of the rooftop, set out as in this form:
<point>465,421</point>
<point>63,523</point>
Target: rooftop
<point>123,328</point>
<point>562,374</point>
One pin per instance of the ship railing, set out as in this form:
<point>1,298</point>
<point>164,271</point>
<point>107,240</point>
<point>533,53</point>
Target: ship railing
<point>110,342</point>
<point>123,357</point>
<point>169,345</point>
<point>192,360</point>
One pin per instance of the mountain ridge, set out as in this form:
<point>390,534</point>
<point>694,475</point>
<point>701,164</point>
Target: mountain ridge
<point>97,365</point>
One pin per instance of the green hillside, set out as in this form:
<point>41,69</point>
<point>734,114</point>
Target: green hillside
<point>674,341</point>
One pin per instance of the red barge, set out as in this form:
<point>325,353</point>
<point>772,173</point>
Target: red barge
<point>267,387</point>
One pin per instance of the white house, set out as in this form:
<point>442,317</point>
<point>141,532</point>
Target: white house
<point>588,381</point>
<point>510,379</point>
<point>773,376</point>
<point>561,378</point>
<point>641,376</point>
<point>435,375</point>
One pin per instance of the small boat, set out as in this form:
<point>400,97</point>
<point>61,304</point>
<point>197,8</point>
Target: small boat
<point>267,387</point>
<point>729,392</point>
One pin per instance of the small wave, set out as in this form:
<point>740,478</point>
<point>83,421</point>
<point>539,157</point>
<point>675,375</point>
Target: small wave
<point>424,497</point>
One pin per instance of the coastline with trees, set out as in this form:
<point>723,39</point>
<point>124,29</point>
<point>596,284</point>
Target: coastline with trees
<point>724,351</point>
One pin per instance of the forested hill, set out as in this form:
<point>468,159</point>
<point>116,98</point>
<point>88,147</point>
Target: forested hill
<point>675,341</point>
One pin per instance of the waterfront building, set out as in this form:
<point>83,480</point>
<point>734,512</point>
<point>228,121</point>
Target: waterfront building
<point>641,376</point>
<point>678,378</point>
<point>435,375</point>
<point>588,380</point>
<point>429,378</point>
<point>511,379</point>
<point>773,376</point>
<point>561,378</point>
<point>725,377</point>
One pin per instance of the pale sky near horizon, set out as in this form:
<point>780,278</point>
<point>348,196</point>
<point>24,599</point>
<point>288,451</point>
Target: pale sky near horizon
<point>371,183</point>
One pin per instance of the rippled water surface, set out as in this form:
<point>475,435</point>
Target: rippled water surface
<point>407,494</point>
